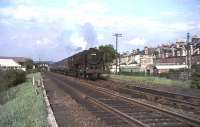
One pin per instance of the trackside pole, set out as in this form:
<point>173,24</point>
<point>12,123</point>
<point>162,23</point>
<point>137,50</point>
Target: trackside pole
<point>33,81</point>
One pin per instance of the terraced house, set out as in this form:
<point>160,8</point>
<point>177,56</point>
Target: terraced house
<point>181,54</point>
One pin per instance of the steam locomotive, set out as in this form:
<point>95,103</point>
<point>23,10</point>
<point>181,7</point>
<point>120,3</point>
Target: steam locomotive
<point>87,64</point>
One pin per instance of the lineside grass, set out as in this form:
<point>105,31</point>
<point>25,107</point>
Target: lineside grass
<point>146,80</point>
<point>26,109</point>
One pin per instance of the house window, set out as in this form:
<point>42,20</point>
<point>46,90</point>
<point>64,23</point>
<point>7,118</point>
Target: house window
<point>166,54</point>
<point>198,52</point>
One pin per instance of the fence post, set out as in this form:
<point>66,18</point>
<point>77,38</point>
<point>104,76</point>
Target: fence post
<point>35,87</point>
<point>33,81</point>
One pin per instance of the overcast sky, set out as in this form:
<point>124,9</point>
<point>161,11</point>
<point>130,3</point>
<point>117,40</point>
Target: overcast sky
<point>56,29</point>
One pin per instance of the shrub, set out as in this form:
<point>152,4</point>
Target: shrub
<point>10,78</point>
<point>133,73</point>
<point>163,75</point>
<point>196,77</point>
<point>30,71</point>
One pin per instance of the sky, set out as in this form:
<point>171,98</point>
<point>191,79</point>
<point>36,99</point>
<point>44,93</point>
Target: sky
<point>56,29</point>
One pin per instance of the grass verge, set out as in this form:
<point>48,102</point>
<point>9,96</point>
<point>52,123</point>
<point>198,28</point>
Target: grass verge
<point>26,109</point>
<point>152,80</point>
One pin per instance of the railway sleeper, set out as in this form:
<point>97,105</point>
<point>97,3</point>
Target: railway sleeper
<point>118,125</point>
<point>114,121</point>
<point>103,113</point>
<point>141,113</point>
<point>108,116</point>
<point>114,103</point>
<point>167,124</point>
<point>103,98</point>
<point>157,120</point>
<point>149,117</point>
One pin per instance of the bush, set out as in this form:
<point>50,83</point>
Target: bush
<point>133,73</point>
<point>196,77</point>
<point>163,75</point>
<point>10,78</point>
<point>30,71</point>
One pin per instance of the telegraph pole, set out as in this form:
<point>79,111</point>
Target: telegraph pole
<point>116,53</point>
<point>188,54</point>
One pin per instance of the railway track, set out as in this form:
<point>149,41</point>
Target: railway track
<point>120,111</point>
<point>190,104</point>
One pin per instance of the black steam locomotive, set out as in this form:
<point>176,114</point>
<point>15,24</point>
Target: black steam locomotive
<point>87,64</point>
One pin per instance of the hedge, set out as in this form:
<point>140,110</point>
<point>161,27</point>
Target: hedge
<point>10,78</point>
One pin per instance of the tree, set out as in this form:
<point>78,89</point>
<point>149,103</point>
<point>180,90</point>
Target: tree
<point>109,52</point>
<point>28,64</point>
<point>109,55</point>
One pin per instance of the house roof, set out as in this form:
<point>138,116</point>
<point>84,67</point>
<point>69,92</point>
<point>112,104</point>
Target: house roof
<point>180,41</point>
<point>17,59</point>
<point>196,36</point>
<point>9,63</point>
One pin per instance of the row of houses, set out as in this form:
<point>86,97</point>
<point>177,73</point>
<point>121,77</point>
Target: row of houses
<point>181,54</point>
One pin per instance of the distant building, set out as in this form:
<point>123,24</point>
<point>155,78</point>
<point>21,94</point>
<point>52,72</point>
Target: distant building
<point>145,60</point>
<point>10,64</point>
<point>20,60</point>
<point>130,68</point>
<point>136,61</point>
<point>43,66</point>
<point>149,51</point>
<point>196,39</point>
<point>129,58</point>
<point>169,55</point>
<point>177,53</point>
<point>113,69</point>
<point>158,69</point>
